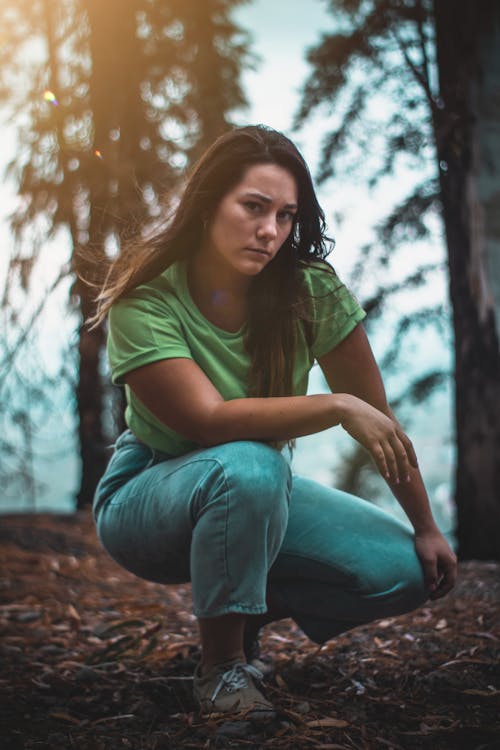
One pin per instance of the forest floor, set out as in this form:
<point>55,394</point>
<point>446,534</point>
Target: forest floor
<point>94,658</point>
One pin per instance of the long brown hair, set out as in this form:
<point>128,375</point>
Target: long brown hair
<point>277,299</point>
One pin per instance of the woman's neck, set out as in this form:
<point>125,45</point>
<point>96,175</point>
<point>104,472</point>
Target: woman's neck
<point>220,296</point>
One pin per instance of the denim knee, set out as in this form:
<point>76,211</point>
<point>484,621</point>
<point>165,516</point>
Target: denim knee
<point>411,589</point>
<point>258,475</point>
<point>260,469</point>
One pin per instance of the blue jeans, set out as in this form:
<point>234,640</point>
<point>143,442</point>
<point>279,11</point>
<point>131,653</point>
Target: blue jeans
<point>235,521</point>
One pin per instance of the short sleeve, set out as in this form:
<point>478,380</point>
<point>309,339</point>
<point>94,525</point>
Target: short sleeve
<point>143,329</point>
<point>336,311</point>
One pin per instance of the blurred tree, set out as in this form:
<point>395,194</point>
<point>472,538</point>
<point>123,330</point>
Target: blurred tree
<point>213,55</point>
<point>111,106</point>
<point>433,70</point>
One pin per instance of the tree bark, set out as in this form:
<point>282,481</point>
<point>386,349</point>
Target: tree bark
<point>468,144</point>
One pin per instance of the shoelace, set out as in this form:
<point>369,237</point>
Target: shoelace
<point>236,678</point>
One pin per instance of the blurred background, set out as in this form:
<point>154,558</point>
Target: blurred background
<point>395,106</point>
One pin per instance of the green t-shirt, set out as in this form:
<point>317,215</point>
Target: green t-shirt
<point>159,320</point>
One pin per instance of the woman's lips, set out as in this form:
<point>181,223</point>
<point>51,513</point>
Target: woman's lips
<point>258,250</point>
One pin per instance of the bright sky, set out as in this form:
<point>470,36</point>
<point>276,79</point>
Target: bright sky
<point>281,33</point>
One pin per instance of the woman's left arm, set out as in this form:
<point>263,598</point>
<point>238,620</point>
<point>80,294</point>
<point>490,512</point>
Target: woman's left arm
<point>351,368</point>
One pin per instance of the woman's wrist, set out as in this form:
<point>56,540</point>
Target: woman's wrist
<point>413,498</point>
<point>342,405</point>
<point>426,527</point>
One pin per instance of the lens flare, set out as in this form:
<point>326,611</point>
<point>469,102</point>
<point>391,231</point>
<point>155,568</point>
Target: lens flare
<point>50,97</point>
<point>98,153</point>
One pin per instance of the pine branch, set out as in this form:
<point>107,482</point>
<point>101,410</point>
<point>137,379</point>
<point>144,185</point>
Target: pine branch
<point>423,45</point>
<point>419,73</point>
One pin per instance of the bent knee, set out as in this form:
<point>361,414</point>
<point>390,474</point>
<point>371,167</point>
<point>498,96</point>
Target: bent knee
<point>253,476</point>
<point>406,592</point>
<point>256,468</point>
<point>412,592</point>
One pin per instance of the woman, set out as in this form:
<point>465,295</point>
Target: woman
<point>214,325</point>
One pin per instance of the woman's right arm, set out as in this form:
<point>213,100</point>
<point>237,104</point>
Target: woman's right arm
<point>180,395</point>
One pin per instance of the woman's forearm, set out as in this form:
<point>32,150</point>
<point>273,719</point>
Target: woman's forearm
<point>413,498</point>
<point>412,495</point>
<point>274,418</point>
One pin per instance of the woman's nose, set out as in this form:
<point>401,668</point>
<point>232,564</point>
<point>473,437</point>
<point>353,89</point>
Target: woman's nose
<point>268,228</point>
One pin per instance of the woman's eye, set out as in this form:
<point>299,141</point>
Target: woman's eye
<point>253,206</point>
<point>286,216</point>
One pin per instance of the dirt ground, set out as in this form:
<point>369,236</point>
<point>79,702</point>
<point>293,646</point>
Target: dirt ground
<point>94,658</point>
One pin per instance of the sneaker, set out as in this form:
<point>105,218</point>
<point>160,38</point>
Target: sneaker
<point>254,657</point>
<point>230,687</point>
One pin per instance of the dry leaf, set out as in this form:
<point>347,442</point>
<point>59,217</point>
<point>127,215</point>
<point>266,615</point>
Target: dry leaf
<point>65,717</point>
<point>482,692</point>
<point>281,682</point>
<point>327,722</point>
<point>74,617</point>
<point>393,654</point>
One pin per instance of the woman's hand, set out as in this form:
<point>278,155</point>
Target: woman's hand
<point>383,437</point>
<point>438,562</point>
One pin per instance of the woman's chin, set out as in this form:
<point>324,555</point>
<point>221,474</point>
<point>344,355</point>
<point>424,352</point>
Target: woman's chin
<point>253,263</point>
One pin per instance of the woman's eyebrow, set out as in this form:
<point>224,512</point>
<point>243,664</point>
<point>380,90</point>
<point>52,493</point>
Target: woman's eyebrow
<point>266,199</point>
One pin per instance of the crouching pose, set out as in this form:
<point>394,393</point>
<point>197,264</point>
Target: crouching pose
<point>214,325</point>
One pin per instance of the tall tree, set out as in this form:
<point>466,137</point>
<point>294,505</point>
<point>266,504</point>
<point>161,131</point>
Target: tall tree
<point>115,110</point>
<point>437,63</point>
<point>467,129</point>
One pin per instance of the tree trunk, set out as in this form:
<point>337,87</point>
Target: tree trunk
<point>113,196</point>
<point>468,145</point>
<point>89,397</point>
<point>89,388</point>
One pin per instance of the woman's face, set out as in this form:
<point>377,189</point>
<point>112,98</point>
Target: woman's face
<point>253,220</point>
